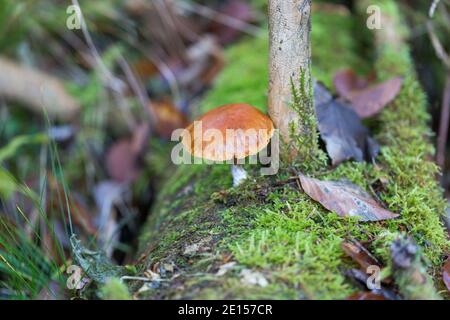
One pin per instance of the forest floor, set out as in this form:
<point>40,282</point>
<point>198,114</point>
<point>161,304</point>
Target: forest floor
<point>99,170</point>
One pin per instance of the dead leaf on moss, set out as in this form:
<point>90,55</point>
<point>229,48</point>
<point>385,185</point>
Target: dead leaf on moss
<point>366,99</point>
<point>341,129</point>
<point>167,118</point>
<point>345,198</point>
<point>359,254</point>
<point>446,273</point>
<point>366,296</point>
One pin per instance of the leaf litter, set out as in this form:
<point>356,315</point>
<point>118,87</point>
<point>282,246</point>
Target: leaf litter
<point>341,129</point>
<point>345,198</point>
<point>366,98</point>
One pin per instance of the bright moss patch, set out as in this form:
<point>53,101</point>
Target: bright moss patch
<point>277,230</point>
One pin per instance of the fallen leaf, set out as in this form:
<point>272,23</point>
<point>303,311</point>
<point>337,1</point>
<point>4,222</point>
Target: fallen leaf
<point>367,100</point>
<point>121,161</point>
<point>366,296</point>
<point>167,118</point>
<point>122,156</point>
<point>145,68</point>
<point>446,273</point>
<point>34,89</point>
<point>345,81</point>
<point>345,198</point>
<point>341,129</point>
<point>359,254</point>
<point>140,138</point>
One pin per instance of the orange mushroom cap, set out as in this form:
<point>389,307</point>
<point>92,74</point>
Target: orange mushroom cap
<point>232,131</point>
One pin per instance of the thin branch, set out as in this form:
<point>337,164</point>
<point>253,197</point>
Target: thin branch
<point>433,8</point>
<point>443,125</point>
<point>438,47</point>
<point>224,19</point>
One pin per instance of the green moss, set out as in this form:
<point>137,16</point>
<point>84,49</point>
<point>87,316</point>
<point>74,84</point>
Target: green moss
<point>114,289</point>
<point>304,135</point>
<point>274,228</point>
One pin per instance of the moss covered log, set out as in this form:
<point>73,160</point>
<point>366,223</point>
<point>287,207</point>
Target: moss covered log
<point>267,226</point>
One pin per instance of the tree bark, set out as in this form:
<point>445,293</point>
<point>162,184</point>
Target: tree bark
<point>290,55</point>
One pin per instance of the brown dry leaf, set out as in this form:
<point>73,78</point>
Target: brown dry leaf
<point>366,296</point>
<point>446,273</point>
<point>359,254</point>
<point>341,129</point>
<point>366,99</point>
<point>345,198</point>
<point>345,81</point>
<point>35,89</point>
<point>145,69</point>
<point>122,156</point>
<point>140,136</point>
<point>121,161</point>
<point>167,118</point>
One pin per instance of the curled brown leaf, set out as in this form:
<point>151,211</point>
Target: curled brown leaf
<point>359,254</point>
<point>345,198</point>
<point>366,99</point>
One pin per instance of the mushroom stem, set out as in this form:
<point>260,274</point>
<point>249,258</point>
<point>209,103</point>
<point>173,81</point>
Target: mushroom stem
<point>239,174</point>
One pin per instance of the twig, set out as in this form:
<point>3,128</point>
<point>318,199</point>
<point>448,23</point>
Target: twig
<point>433,8</point>
<point>438,48</point>
<point>115,84</point>
<point>224,19</point>
<point>443,125</point>
<point>445,109</point>
<point>139,90</point>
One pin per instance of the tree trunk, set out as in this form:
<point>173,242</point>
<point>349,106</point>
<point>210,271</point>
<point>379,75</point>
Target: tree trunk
<point>290,60</point>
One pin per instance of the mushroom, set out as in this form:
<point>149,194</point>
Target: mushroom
<point>229,133</point>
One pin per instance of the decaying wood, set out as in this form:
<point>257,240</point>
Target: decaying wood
<point>36,90</point>
<point>290,52</point>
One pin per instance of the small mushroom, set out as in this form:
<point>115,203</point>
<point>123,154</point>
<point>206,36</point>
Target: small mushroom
<point>229,133</point>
